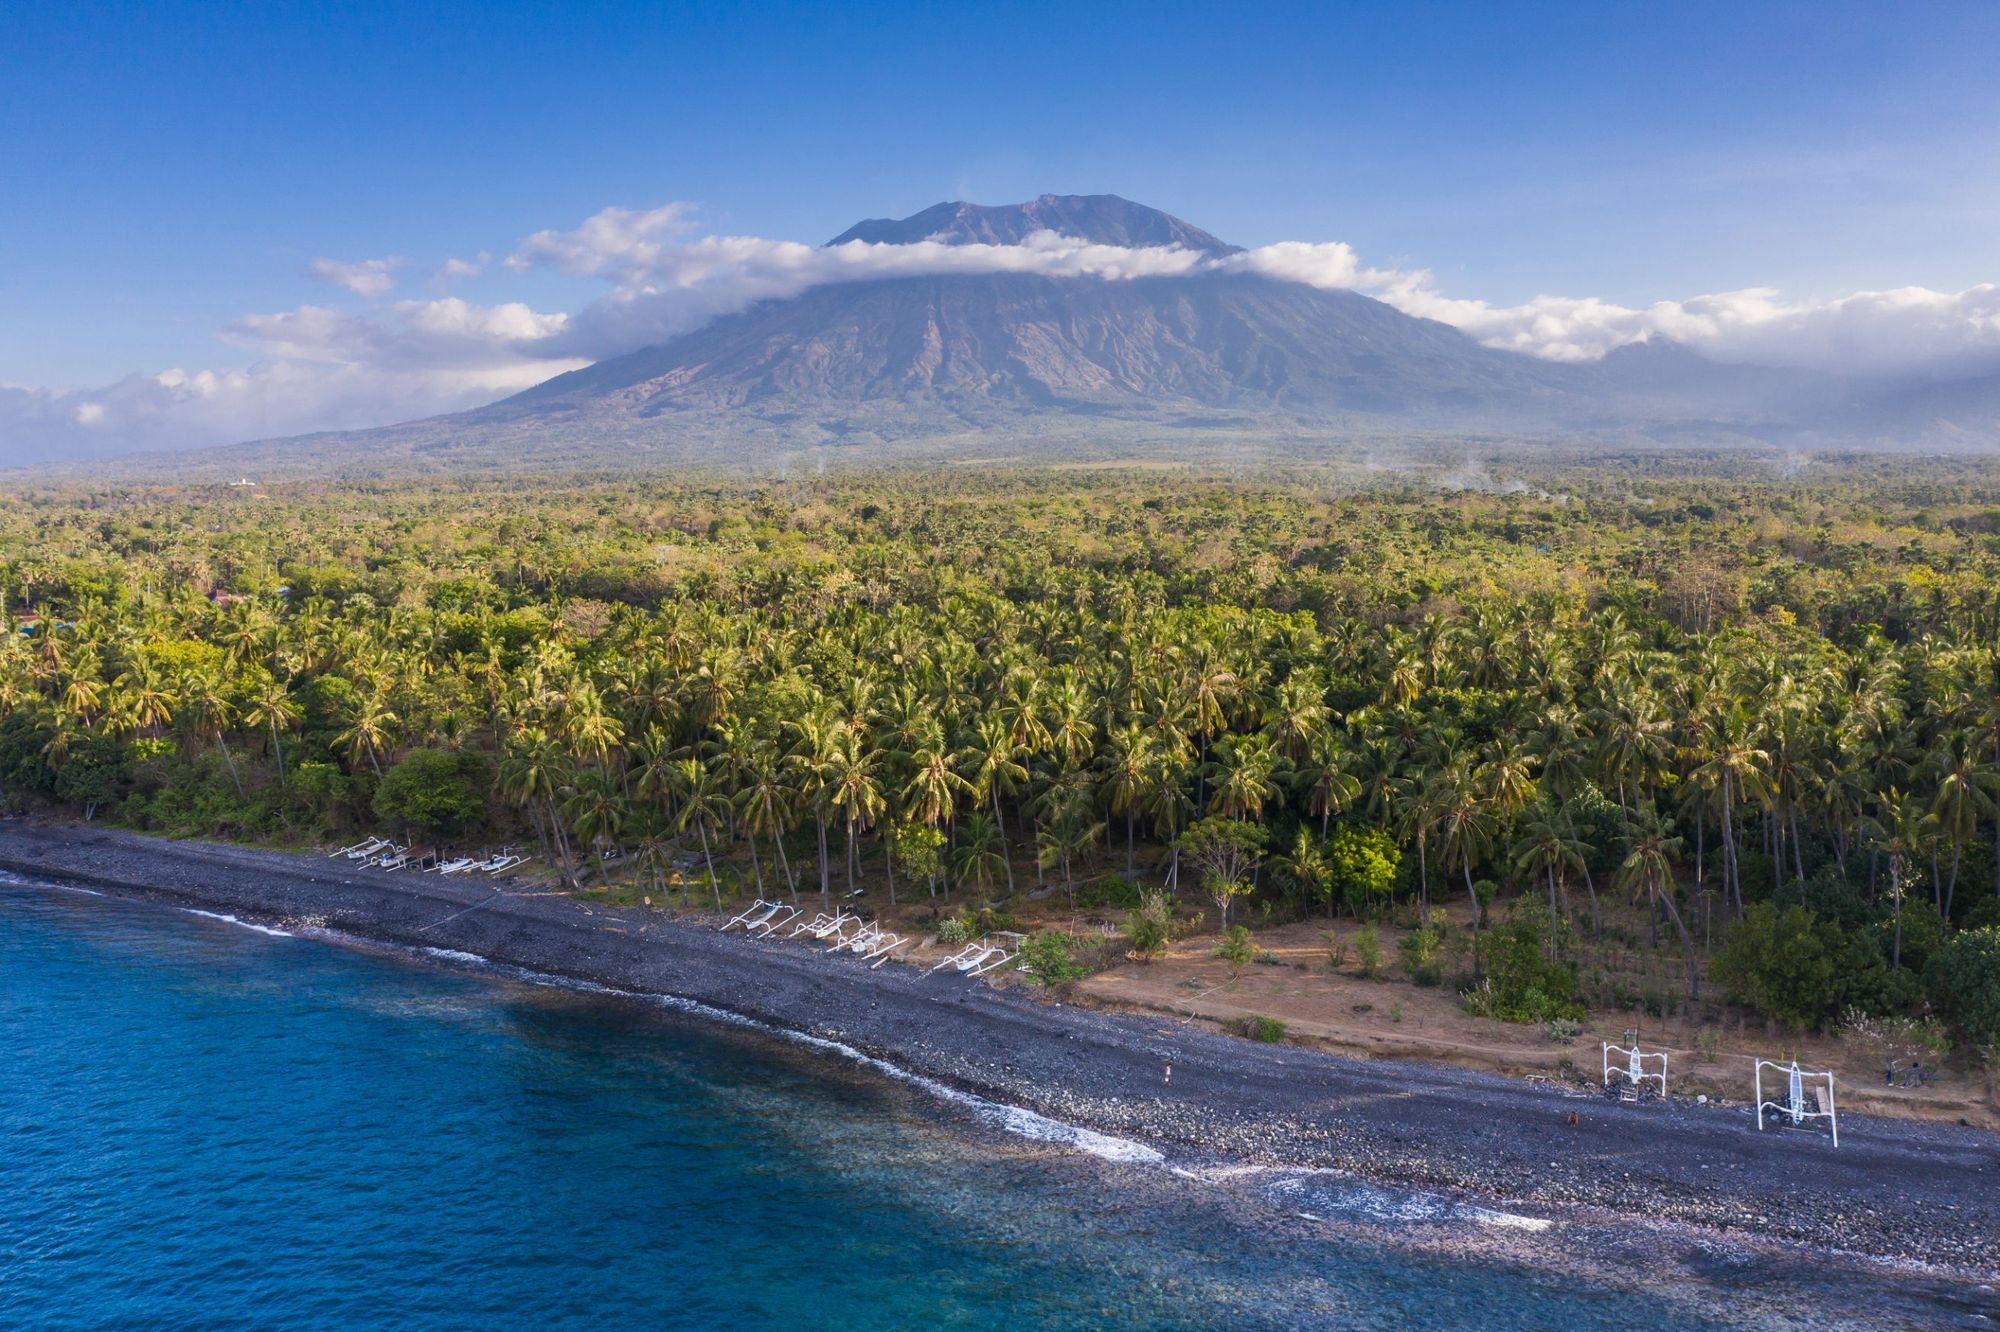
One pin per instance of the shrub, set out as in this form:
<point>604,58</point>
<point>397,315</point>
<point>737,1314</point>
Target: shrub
<point>1562,1030</point>
<point>1963,979</point>
<point>436,791</point>
<point>954,930</point>
<point>1118,891</point>
<point>1362,866</point>
<point>1149,928</point>
<point>1527,985</point>
<point>1236,949</point>
<point>1367,950</point>
<point>1336,950</point>
<point>1266,1029</point>
<point>1806,971</point>
<point>1048,957</point>
<point>1423,949</point>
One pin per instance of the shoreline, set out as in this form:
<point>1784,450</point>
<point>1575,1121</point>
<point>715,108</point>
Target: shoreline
<point>1896,1189</point>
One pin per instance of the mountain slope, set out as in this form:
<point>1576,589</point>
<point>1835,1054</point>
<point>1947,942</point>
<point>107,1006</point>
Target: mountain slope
<point>924,366</point>
<point>1029,343</point>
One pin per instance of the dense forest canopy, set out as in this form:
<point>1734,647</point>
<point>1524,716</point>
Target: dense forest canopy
<point>1760,697</point>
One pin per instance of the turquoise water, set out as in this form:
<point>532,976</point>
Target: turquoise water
<point>206,1126</point>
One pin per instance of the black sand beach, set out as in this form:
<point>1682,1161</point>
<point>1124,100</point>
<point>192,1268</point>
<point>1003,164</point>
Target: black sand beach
<point>1893,1188</point>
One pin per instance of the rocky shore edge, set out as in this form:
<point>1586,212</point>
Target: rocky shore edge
<point>1894,1188</point>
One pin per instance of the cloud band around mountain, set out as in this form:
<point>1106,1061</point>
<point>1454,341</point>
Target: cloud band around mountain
<point>323,368</point>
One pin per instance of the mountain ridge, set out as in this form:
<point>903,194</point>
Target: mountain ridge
<point>923,365</point>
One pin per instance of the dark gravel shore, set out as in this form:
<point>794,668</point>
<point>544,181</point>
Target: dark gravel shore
<point>1894,1188</point>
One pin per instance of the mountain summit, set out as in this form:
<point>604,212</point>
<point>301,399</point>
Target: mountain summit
<point>1195,361</point>
<point>1103,219</point>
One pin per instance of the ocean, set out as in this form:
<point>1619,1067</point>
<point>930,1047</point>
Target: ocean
<point>208,1125</point>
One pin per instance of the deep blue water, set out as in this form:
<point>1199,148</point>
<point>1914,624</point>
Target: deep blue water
<point>205,1126</point>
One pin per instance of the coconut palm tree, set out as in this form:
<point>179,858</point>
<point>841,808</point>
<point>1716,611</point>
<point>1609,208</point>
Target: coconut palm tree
<point>1647,873</point>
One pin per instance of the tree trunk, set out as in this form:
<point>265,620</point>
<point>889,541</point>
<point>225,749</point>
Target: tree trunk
<point>1555,920</point>
<point>230,759</point>
<point>825,888</point>
<point>1951,885</point>
<point>1006,852</point>
<point>701,827</point>
<point>1687,945</point>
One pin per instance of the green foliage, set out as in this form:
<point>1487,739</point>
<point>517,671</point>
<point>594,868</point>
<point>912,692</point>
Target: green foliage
<point>1526,983</point>
<point>1802,970</point>
<point>1236,948</point>
<point>1367,949</point>
<point>1364,865</point>
<point>435,792</point>
<point>1149,926</point>
<point>726,667</point>
<point>954,931</point>
<point>919,851</point>
<point>1113,891</point>
<point>1963,981</point>
<point>1267,1030</point>
<point>1226,852</point>
<point>1049,957</point>
<point>1423,949</point>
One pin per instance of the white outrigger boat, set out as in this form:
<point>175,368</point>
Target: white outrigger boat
<point>976,959</point>
<point>367,850</point>
<point>758,913</point>
<point>822,925</point>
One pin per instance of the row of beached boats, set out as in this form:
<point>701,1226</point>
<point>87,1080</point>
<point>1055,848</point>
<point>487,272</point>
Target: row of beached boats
<point>387,854</point>
<point>845,930</point>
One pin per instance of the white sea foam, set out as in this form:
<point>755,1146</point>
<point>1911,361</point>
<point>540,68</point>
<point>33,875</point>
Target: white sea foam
<point>455,955</point>
<point>232,920</point>
<point>1338,1191</point>
<point>1015,1119</point>
<point>1510,1220</point>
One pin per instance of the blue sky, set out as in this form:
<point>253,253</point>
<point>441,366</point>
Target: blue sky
<point>169,169</point>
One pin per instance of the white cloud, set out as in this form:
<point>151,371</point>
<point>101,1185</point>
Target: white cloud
<point>457,270</point>
<point>1910,330</point>
<point>615,238</point>
<point>317,367</point>
<point>365,277</point>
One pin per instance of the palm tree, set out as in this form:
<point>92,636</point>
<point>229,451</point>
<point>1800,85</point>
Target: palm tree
<point>1648,872</point>
<point>1465,829</point>
<point>1961,799</point>
<point>979,856</point>
<point>274,710</point>
<point>702,807</point>
<point>597,809</point>
<point>213,713</point>
<point>1549,850</point>
<point>1130,771</point>
<point>1307,863</point>
<point>996,771</point>
<point>1246,775</point>
<point>761,808</point>
<point>855,792</point>
<point>368,733</point>
<point>1329,783</point>
<point>534,771</point>
<point>1736,766</point>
